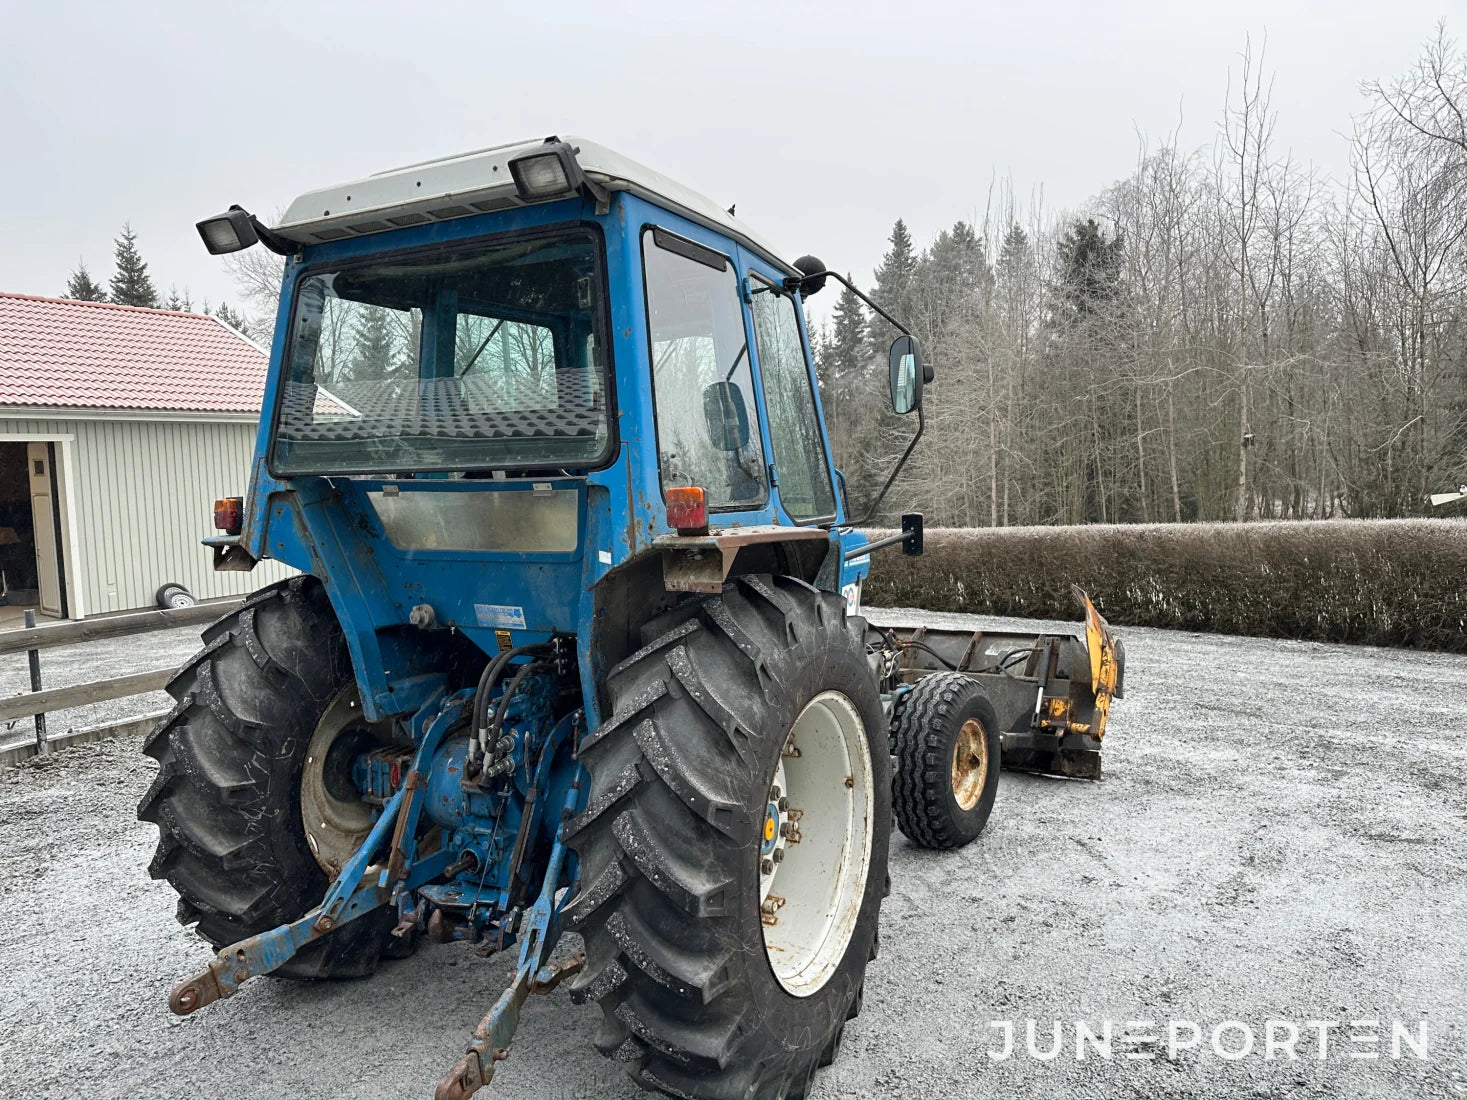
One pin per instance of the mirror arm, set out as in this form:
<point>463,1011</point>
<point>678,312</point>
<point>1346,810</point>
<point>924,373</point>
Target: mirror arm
<point>795,283</point>
<point>875,504</point>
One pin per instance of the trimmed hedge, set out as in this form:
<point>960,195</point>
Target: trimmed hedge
<point>1371,582</point>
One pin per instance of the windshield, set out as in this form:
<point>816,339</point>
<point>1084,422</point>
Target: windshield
<point>489,355</point>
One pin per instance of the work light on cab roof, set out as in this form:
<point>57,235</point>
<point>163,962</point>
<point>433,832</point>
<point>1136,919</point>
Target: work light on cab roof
<point>575,641</point>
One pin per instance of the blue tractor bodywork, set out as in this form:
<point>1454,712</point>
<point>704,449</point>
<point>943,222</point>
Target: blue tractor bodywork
<point>552,459</point>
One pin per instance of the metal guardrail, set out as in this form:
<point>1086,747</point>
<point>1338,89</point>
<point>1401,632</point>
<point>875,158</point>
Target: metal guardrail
<point>32,639</point>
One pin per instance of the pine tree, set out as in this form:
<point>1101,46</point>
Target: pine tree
<point>232,318</point>
<point>372,356</point>
<point>817,349</point>
<point>893,285</point>
<point>1089,272</point>
<point>180,302</point>
<point>81,287</point>
<point>848,393</point>
<point>843,349</point>
<point>1015,257</point>
<point>131,285</point>
<point>951,285</point>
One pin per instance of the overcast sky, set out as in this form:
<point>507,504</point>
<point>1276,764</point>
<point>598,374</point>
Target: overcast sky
<point>824,122</point>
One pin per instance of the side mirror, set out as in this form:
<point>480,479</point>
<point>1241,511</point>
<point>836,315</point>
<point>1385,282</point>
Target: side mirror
<point>907,374</point>
<point>727,416</point>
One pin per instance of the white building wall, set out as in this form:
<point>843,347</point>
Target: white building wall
<point>137,496</point>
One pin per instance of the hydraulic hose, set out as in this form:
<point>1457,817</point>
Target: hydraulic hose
<point>491,733</point>
<point>487,679</point>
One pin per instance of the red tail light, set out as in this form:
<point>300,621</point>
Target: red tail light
<point>687,510</point>
<point>229,515</point>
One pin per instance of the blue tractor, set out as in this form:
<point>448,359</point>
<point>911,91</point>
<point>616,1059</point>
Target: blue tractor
<point>574,643</point>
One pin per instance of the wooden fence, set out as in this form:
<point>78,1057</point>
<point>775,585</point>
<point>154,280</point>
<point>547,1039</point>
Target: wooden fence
<point>40,700</point>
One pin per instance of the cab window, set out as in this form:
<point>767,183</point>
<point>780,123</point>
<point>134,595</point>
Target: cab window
<point>794,429</point>
<point>707,426</point>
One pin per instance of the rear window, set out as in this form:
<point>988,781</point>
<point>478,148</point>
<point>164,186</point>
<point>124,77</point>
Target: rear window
<point>491,355</point>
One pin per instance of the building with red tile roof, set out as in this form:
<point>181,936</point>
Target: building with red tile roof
<point>119,427</point>
<point>58,353</point>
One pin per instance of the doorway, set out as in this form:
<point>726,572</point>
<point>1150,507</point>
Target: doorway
<point>31,567</point>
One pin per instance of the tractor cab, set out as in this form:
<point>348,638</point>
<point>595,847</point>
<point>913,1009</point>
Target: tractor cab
<point>536,382</point>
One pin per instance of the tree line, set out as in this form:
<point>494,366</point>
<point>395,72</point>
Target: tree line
<point>131,284</point>
<point>1223,334</point>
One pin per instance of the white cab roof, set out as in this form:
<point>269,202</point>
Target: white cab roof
<point>480,182</point>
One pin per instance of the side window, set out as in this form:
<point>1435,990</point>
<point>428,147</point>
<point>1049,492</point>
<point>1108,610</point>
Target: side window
<point>794,429</point>
<point>707,426</point>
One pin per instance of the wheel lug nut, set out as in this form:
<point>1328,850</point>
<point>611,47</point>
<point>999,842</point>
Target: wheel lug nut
<point>767,867</point>
<point>784,804</point>
<point>778,855</point>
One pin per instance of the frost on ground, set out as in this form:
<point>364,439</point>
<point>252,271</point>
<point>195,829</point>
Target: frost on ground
<point>1280,835</point>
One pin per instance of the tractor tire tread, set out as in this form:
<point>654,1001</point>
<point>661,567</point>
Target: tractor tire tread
<point>223,799</point>
<point>658,846</point>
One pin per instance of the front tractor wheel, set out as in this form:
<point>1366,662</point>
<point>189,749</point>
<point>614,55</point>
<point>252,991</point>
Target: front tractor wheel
<point>733,848</point>
<point>253,800</point>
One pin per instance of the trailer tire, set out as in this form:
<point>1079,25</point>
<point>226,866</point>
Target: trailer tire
<point>946,741</point>
<point>174,594</point>
<point>227,797</point>
<point>699,997</point>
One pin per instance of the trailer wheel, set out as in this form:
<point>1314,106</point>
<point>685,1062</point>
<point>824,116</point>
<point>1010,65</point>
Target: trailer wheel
<point>733,848</point>
<point>945,737</point>
<point>259,712</point>
<point>174,594</point>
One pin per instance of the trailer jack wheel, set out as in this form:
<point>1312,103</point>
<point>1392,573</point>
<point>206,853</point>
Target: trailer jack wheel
<point>945,737</point>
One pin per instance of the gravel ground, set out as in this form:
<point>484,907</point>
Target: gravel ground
<point>1280,836</point>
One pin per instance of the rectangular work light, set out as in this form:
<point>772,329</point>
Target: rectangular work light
<point>548,173</point>
<point>228,232</point>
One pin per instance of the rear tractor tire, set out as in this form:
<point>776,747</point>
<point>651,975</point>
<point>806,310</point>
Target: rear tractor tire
<point>946,741</point>
<point>733,849</point>
<point>266,724</point>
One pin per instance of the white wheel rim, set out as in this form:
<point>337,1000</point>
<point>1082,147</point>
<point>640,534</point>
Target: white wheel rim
<point>810,894</point>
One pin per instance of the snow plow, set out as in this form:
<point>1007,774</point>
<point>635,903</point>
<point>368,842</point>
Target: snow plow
<point>1051,692</point>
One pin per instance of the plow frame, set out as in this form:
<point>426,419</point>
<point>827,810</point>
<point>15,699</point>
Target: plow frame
<point>1051,690</point>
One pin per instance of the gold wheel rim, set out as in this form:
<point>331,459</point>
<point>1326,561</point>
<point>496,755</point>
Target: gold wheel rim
<point>334,828</point>
<point>970,763</point>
